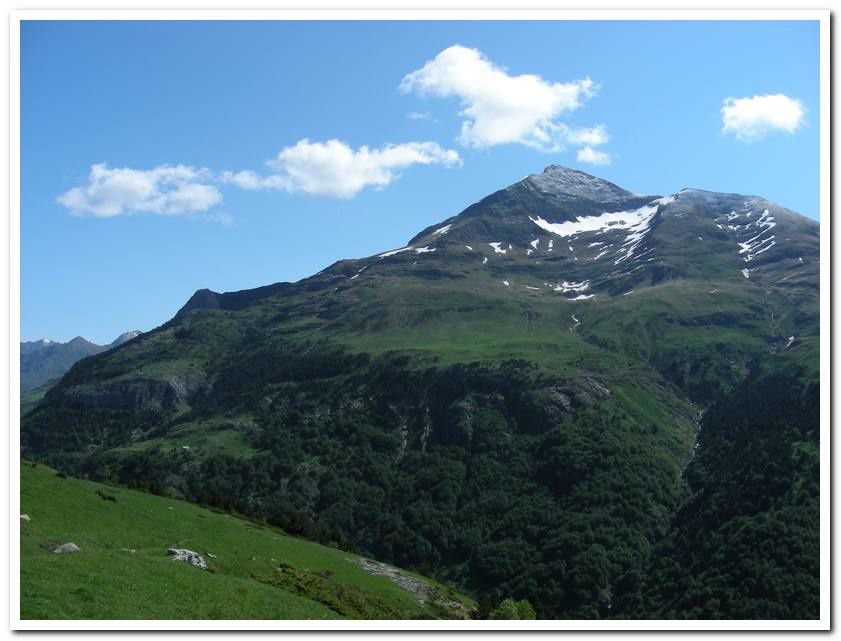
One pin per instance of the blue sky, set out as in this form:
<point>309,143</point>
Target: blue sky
<point>179,104</point>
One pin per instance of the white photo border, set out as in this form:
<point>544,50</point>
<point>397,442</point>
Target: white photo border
<point>13,389</point>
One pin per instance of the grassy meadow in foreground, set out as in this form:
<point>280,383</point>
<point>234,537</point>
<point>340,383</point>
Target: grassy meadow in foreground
<point>255,572</point>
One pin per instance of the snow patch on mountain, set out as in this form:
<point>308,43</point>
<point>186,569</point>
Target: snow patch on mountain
<point>419,250</point>
<point>665,200</point>
<point>572,287</point>
<point>498,248</point>
<point>394,251</point>
<point>636,222</point>
<point>760,242</point>
<point>356,275</point>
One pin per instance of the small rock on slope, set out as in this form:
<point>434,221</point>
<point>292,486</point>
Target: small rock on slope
<point>187,556</point>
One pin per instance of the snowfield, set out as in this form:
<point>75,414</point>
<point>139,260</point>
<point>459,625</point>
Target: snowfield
<point>636,222</point>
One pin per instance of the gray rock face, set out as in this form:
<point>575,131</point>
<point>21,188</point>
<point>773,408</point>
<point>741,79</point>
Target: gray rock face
<point>564,398</point>
<point>25,517</point>
<point>131,394</point>
<point>569,183</point>
<point>464,413</point>
<point>187,556</point>
<point>67,548</point>
<point>421,590</point>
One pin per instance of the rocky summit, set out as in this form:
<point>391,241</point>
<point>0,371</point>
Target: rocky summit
<point>599,401</point>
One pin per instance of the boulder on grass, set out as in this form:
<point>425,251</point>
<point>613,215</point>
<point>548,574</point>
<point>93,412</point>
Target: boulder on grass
<point>67,548</point>
<point>187,556</point>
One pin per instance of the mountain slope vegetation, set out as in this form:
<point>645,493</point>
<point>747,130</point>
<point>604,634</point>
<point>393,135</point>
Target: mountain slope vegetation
<point>511,402</point>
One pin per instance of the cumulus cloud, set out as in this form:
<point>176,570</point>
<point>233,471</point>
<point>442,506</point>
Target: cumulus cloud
<point>167,189</point>
<point>500,108</point>
<point>592,156</point>
<point>591,137</point>
<point>753,118</point>
<point>335,169</point>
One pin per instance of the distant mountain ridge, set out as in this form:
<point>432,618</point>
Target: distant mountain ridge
<point>45,360</point>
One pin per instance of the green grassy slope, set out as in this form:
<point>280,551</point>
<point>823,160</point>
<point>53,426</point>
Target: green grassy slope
<point>123,572</point>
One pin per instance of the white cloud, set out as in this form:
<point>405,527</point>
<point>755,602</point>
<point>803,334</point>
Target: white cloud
<point>419,115</point>
<point>248,179</point>
<point>500,108</point>
<point>592,156</point>
<point>167,189</point>
<point>753,118</point>
<point>591,137</point>
<point>335,169</point>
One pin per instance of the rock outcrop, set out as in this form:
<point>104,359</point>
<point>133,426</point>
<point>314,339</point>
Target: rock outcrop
<point>187,556</point>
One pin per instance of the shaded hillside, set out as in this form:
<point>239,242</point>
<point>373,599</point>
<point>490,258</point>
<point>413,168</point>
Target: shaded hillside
<point>745,543</point>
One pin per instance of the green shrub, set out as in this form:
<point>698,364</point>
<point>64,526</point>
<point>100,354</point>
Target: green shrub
<point>513,610</point>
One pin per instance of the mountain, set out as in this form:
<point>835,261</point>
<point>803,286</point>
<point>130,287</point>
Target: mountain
<point>125,337</point>
<point>561,394</point>
<point>45,360</point>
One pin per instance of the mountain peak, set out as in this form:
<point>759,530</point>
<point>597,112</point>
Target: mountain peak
<point>125,337</point>
<point>562,169</point>
<point>566,183</point>
<point>557,194</point>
